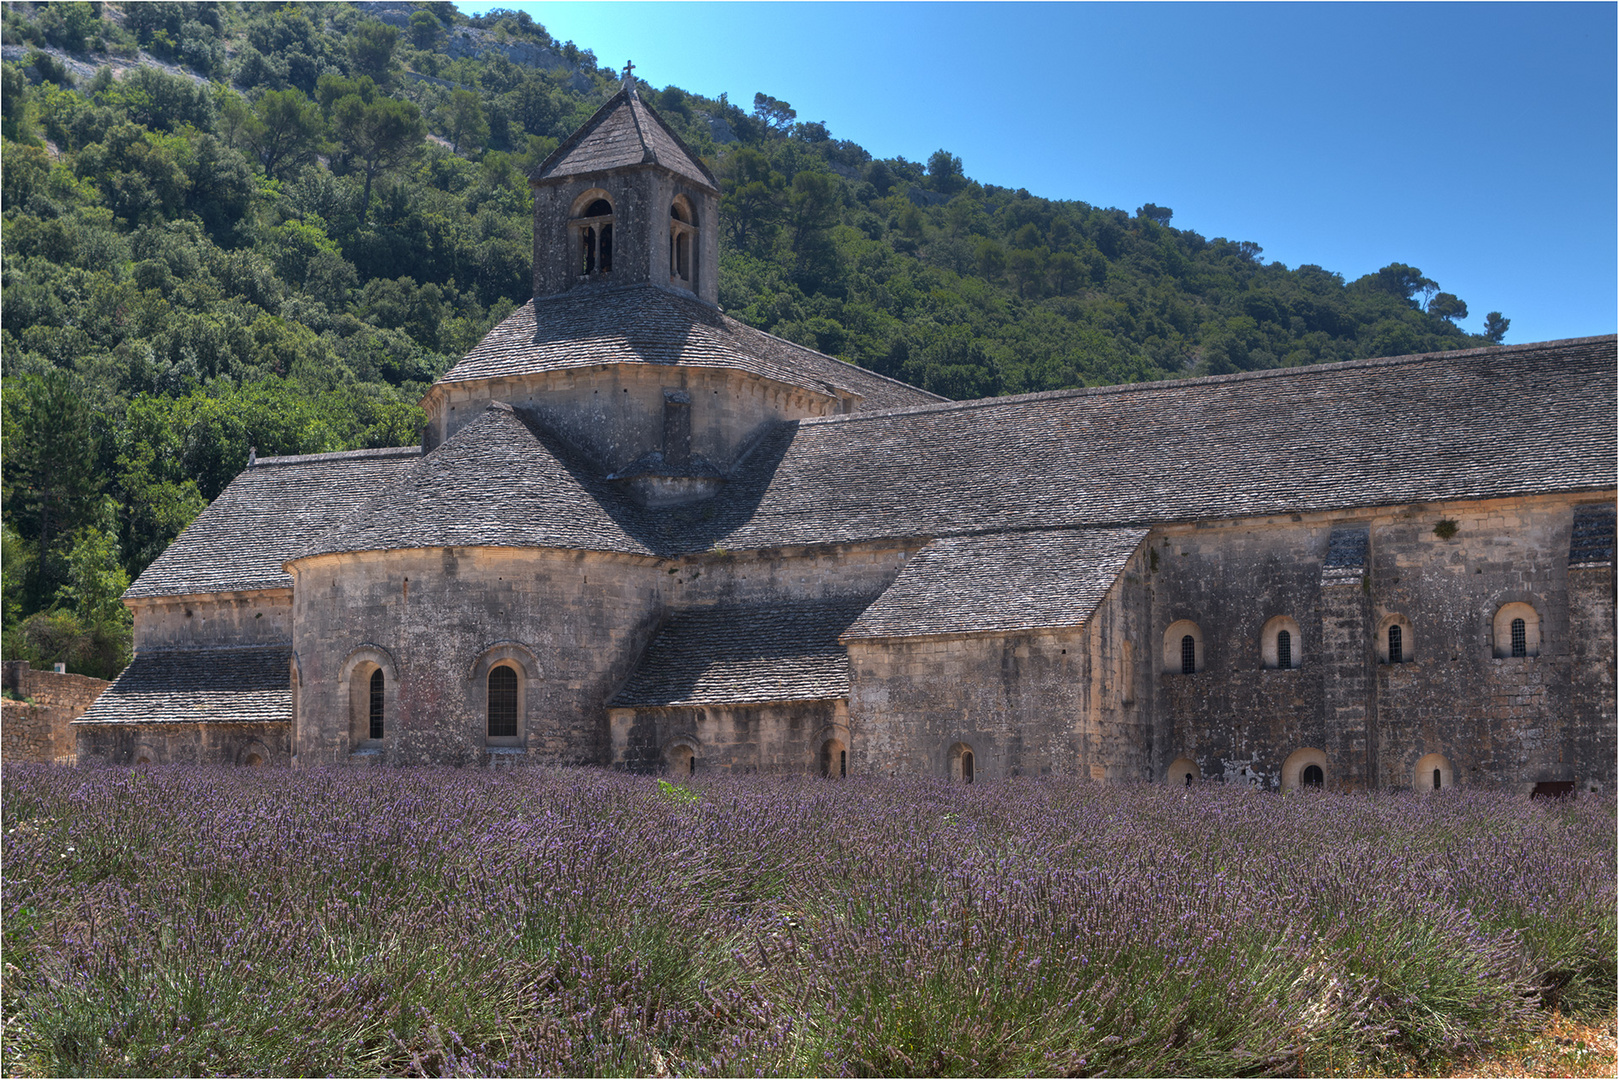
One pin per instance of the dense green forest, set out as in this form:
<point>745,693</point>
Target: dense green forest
<point>273,225</point>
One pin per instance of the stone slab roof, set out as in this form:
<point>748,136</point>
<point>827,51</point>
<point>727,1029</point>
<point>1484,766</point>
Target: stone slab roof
<point>1478,424</point>
<point>269,511</point>
<point>746,654</point>
<point>624,132</point>
<point>647,325</point>
<point>1000,583</point>
<point>496,483</point>
<point>190,686</point>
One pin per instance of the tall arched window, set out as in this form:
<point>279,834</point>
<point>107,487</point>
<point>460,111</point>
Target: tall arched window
<point>1396,645</point>
<point>1284,649</point>
<point>1520,638</point>
<point>1188,655</point>
<point>502,702</point>
<point>962,763</point>
<point>376,703</point>
<point>593,238</point>
<point>682,243</point>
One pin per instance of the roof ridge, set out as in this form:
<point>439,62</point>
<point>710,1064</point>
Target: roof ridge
<point>1211,380</point>
<point>338,455</point>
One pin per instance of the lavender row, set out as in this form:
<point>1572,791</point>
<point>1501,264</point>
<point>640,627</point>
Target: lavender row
<point>460,922</point>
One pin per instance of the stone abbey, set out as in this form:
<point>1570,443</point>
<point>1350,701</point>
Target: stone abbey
<point>640,534</point>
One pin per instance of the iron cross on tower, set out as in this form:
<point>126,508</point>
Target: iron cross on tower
<point>629,69</point>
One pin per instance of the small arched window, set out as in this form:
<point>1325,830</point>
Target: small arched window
<point>1396,642</point>
<point>680,759</point>
<point>1517,630</point>
<point>1432,773</point>
<point>592,233</point>
<point>1304,768</point>
<point>1281,644</point>
<point>1183,648</point>
<point>376,703</point>
<point>1183,772</point>
<point>502,702</point>
<point>834,759</point>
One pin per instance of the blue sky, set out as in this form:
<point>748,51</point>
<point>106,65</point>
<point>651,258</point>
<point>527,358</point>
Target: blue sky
<point>1476,142</point>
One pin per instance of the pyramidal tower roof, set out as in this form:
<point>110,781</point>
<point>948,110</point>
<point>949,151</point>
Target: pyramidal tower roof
<point>624,132</point>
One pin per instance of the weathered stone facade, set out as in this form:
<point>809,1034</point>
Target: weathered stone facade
<point>639,534</point>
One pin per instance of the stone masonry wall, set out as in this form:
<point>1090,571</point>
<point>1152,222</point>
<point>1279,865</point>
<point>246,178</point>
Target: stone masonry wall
<point>1500,721</point>
<point>641,198</point>
<point>615,414</point>
<point>578,621</point>
<point>196,622</point>
<point>39,731</point>
<point>780,737</point>
<point>1016,700</point>
<point>189,744</point>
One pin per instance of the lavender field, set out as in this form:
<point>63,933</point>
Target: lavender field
<point>183,920</point>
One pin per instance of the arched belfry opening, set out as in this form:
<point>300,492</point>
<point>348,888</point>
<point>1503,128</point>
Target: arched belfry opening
<point>682,244</point>
<point>592,235</point>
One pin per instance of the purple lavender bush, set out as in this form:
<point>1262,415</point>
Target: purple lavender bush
<point>182,920</point>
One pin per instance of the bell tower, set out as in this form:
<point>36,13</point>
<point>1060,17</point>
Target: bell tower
<point>625,202</point>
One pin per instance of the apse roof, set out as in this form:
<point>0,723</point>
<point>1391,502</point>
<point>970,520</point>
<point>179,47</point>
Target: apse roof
<point>268,511</point>
<point>623,132</point>
<point>640,324</point>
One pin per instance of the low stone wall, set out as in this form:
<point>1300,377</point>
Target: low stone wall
<point>36,729</point>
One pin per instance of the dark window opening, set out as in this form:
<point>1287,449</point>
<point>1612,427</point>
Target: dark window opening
<point>1188,779</point>
<point>1436,779</point>
<point>1396,646</point>
<point>596,239</point>
<point>843,763</point>
<point>966,766</point>
<point>1284,649</point>
<point>1520,638</point>
<point>1553,789</point>
<point>1188,655</point>
<point>1311,777</point>
<point>502,703</point>
<point>376,704</point>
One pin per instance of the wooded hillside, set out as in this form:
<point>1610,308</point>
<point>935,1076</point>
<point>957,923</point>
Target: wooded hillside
<point>273,226</point>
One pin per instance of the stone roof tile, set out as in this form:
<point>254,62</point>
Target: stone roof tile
<point>190,686</point>
<point>1479,424</point>
<point>624,132</point>
<point>1000,583</point>
<point>496,483</point>
<point>269,511</point>
<point>642,324</point>
<point>746,654</point>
